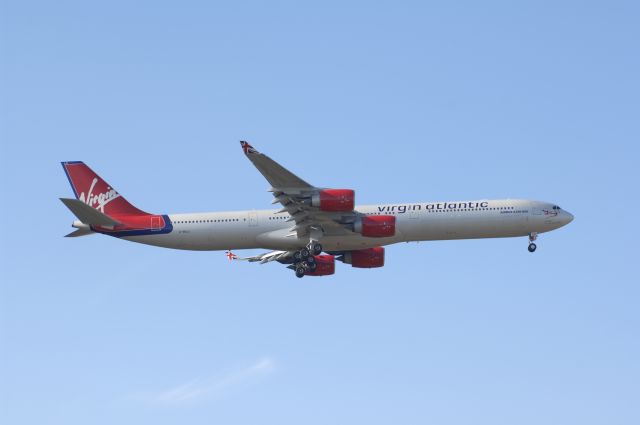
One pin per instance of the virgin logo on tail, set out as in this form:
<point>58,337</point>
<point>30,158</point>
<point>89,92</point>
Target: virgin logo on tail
<point>98,201</point>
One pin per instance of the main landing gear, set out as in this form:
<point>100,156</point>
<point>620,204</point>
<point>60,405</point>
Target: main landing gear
<point>315,248</point>
<point>304,260</point>
<point>300,256</point>
<point>532,246</point>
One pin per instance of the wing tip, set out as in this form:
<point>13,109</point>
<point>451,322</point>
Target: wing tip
<point>230,255</point>
<point>247,148</point>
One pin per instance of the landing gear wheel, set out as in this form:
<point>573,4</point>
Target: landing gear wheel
<point>315,248</point>
<point>297,257</point>
<point>532,247</point>
<point>313,266</point>
<point>311,260</point>
<point>304,252</point>
<point>300,271</point>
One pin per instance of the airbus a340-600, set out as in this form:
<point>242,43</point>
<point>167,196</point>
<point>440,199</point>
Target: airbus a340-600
<point>315,226</point>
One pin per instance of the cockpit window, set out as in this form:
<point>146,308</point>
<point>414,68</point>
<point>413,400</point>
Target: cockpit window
<point>555,207</point>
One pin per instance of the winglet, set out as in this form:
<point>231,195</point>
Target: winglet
<point>247,148</point>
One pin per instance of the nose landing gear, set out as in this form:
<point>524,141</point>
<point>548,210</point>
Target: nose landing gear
<point>532,246</point>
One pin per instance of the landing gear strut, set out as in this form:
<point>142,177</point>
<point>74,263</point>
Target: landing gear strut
<point>532,246</point>
<point>314,248</point>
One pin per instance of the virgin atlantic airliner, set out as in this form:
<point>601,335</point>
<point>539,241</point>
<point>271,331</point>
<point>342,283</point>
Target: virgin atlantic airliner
<point>315,226</point>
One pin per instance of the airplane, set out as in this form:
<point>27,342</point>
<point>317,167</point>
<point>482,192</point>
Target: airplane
<point>315,227</point>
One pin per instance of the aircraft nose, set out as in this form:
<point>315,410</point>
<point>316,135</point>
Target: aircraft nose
<point>568,217</point>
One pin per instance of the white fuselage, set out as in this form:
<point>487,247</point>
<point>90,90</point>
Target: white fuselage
<point>428,221</point>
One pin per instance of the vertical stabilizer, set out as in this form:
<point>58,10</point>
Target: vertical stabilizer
<point>91,189</point>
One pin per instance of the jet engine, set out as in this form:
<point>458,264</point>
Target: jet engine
<point>364,258</point>
<point>376,226</point>
<point>334,200</point>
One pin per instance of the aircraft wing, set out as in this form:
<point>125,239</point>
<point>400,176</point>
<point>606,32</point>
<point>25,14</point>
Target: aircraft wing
<point>263,258</point>
<point>295,194</point>
<point>276,174</point>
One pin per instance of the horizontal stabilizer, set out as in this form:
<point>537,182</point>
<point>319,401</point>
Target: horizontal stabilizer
<point>80,232</point>
<point>88,215</point>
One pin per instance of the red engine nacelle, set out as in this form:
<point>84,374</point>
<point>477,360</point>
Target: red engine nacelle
<point>376,226</point>
<point>334,200</point>
<point>365,258</point>
<point>325,265</point>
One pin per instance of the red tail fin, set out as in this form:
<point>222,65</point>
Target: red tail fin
<point>95,192</point>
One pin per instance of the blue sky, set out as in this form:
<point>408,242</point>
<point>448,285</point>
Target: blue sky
<point>401,101</point>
